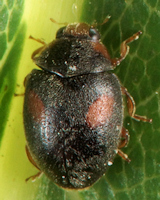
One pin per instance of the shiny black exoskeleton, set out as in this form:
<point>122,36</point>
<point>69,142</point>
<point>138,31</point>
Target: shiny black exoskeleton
<point>73,113</point>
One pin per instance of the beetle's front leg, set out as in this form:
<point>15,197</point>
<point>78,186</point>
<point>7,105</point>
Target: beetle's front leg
<point>124,49</point>
<point>39,49</point>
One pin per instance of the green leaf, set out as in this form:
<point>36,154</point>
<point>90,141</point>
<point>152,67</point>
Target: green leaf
<point>139,73</point>
<point>11,41</point>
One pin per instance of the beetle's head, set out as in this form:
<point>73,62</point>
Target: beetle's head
<point>78,30</point>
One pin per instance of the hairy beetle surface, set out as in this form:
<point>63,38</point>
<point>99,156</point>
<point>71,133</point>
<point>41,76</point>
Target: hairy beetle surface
<point>73,112</point>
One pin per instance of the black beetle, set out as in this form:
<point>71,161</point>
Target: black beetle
<point>73,112</point>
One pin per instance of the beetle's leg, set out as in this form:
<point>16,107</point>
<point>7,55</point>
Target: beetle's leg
<point>124,49</point>
<point>124,138</point>
<point>30,158</point>
<point>33,163</point>
<point>132,107</point>
<point>34,176</point>
<point>18,95</point>
<point>39,49</point>
<point>36,52</point>
<point>123,155</point>
<point>124,141</point>
<point>38,40</point>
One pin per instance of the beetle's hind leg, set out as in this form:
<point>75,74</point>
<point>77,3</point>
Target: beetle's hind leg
<point>124,133</point>
<point>124,138</point>
<point>33,163</point>
<point>132,107</point>
<point>123,155</point>
<point>123,143</point>
<point>33,177</point>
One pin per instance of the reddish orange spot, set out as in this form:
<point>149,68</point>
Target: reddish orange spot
<point>35,106</point>
<point>101,49</point>
<point>100,111</point>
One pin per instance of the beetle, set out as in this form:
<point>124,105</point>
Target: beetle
<point>73,107</point>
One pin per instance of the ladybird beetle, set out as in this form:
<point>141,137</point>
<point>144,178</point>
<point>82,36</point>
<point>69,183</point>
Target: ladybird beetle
<point>73,107</point>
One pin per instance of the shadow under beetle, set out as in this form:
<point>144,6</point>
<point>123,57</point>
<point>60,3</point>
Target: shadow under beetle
<point>73,108</point>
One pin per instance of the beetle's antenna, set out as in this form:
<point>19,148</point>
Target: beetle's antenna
<point>105,20</point>
<point>95,24</point>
